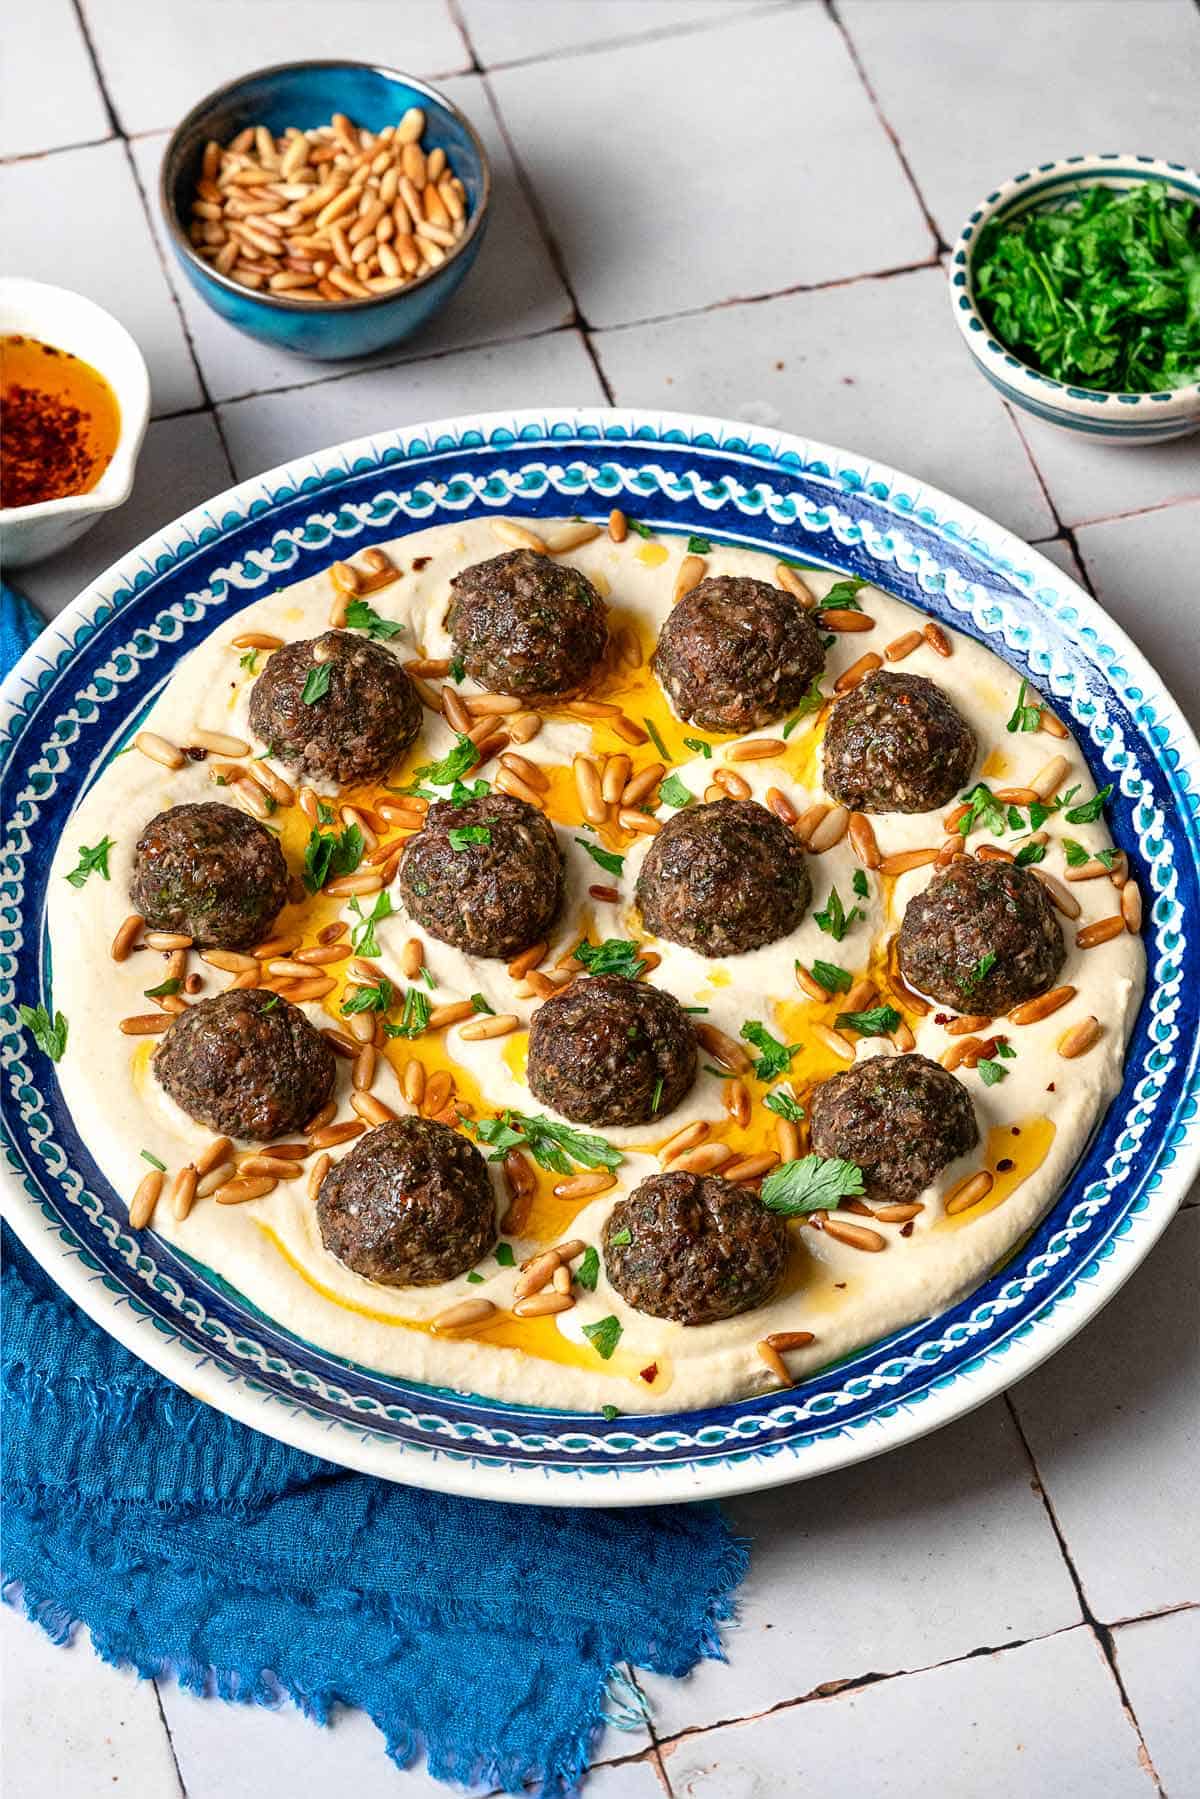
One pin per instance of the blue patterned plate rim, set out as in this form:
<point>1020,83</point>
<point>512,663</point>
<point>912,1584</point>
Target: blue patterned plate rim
<point>73,697</point>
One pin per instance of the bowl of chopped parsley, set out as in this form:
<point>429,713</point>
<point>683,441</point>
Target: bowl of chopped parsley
<point>1077,288</point>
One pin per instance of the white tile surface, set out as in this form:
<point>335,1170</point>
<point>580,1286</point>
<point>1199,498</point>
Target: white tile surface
<point>512,291</point>
<point>157,60</point>
<point>536,371</point>
<point>1159,1661</point>
<point>75,1727</point>
<point>853,365</point>
<point>1113,1426</point>
<point>1038,1721</point>
<point>509,31</point>
<point>76,219</point>
<point>684,188</point>
<point>41,115</point>
<point>181,464</point>
<point>895,1564</point>
<point>1143,570</point>
<point>978,92</point>
<point>1088,481</point>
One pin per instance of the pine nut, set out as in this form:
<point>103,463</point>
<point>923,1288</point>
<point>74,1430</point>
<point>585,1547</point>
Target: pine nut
<point>536,1274</point>
<point>362,1075</point>
<point>750,1168</point>
<point>691,573</point>
<point>1080,1038</point>
<point>936,638</point>
<point>481,1030</point>
<point>217,1151</point>
<point>785,1340</point>
<point>584,1186</point>
<point>1062,896</point>
<point>442,1016</point>
<point>1051,725</point>
<point>969,1023</point>
<point>830,831</point>
<point>855,1236</point>
<point>330,1135</point>
<point>899,1214</point>
<point>528,771</point>
<point>413,1082</point>
<point>736,1102</point>
<point>1091,870</point>
<point>221,742</point>
<point>787,1137</point>
<point>809,984</point>
<point>705,1159</point>
<point>687,1138</point>
<point>900,647</point>
<point>615,778</point>
<point>593,709</point>
<point>1033,1010</point>
<point>255,640</point>
<point>781,806</point>
<point>215,1178</point>
<point>733,784</point>
<point>124,940</point>
<point>1102,931</point>
<point>372,1108</point>
<point>863,841</point>
<point>833,1042</point>
<point>158,749</point>
<point>857,671</point>
<point>628,732</point>
<point>463,1316</point>
<point>640,784</point>
<point>1131,906</point>
<point>1016,796</point>
<point>1049,777</point>
<point>991,852</point>
<point>839,620</point>
<point>146,1024</point>
<point>809,819</point>
<point>543,1305</point>
<point>607,894</point>
<point>618,525</point>
<point>571,537</point>
<point>789,579</point>
<point>283,1168</point>
<point>317,1173</point>
<point>529,958</point>
<point>524,726</point>
<point>968,1192</point>
<point>905,860</point>
<point>238,1191</point>
<point>771,1357</point>
<point>145,1198</point>
<point>587,786</point>
<point>722,1048</point>
<point>756,749</point>
<point>638,822</point>
<point>517,537</point>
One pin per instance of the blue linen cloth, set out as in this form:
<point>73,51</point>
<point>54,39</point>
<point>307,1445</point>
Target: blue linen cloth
<point>491,1637</point>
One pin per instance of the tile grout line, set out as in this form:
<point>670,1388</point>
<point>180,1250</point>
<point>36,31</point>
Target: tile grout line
<point>183,1792</point>
<point>629,41</point>
<point>1101,1633</point>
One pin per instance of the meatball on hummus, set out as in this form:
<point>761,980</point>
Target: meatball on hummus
<point>611,1051</point>
<point>486,876</point>
<point>723,879</point>
<point>336,708</point>
<point>896,743</point>
<point>527,625</point>
<point>736,654</point>
<point>901,1119</point>
<point>694,1248</point>
<point>982,937</point>
<point>210,872</point>
<point>246,1063</point>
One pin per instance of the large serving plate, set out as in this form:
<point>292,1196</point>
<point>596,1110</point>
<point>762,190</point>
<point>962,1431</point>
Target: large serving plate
<point>75,697</point>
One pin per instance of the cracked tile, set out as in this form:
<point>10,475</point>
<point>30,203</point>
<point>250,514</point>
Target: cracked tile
<point>1159,1659</point>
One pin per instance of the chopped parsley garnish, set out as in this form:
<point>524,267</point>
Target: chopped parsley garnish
<point>991,1072</point>
<point>249,662</point>
<point>463,792</point>
<point>701,748</point>
<point>608,860</point>
<point>327,854</point>
<point>588,1271</point>
<point>840,597</point>
<point>1006,1050</point>
<point>50,1034</point>
<point>453,766</point>
<point>983,967</point>
<point>325,813</point>
<point>431,983</point>
<point>604,1336</point>
<point>361,617</point>
<point>784,1105</point>
<point>835,921</point>
<point>91,861</point>
<point>504,1255</point>
<point>466,835</point>
<point>620,1239</point>
<point>775,1058</point>
<point>656,1097</point>
<point>636,525</point>
<point>549,1144</point>
<point>458,669</point>
<point>1090,811</point>
<point>860,884</point>
<point>269,1005</point>
<point>813,1184</point>
<point>656,740</point>
<point>1024,717</point>
<point>481,1005</point>
<point>880,1021</point>
<point>609,1412</point>
<point>164,989</point>
<point>316,683</point>
<point>699,546</point>
<point>983,809</point>
<point>832,977</point>
<point>369,999</point>
<point>1098,292</point>
<point>700,1009</point>
<point>153,1161</point>
<point>616,955</point>
<point>362,934</point>
<point>414,1016</point>
<point>675,793</point>
<point>476,1280</point>
<point>813,700</point>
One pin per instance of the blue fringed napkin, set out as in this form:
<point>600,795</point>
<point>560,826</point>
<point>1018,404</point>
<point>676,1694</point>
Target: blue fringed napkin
<point>489,1636</point>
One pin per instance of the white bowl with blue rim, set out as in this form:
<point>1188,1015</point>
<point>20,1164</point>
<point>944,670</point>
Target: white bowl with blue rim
<point>1110,418</point>
<point>80,692</point>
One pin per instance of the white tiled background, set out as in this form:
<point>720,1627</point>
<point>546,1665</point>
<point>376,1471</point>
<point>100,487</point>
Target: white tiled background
<point>735,206</point>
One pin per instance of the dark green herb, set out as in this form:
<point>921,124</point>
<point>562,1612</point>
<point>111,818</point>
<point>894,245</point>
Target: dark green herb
<point>91,861</point>
<point>361,617</point>
<point>1024,717</point>
<point>588,1271</point>
<point>476,1280</point>
<point>50,1034</point>
<point>880,1021</point>
<point>813,1184</point>
<point>481,1005</point>
<point>775,1058</point>
<point>549,1144</point>
<point>835,921</point>
<point>414,1016</point>
<point>701,748</point>
<point>983,967</point>
<point>1090,811</point>
<point>991,1072</point>
<point>699,546</point>
<point>504,1255</point>
<point>656,740</point>
<point>813,700</point>
<point>620,1239</point>
<point>616,955</point>
<point>604,1336</point>
<point>325,813</point>
<point>833,978</point>
<point>783,1104</point>
<point>1006,1050</point>
<point>362,935</point>
<point>316,684</point>
<point>164,988</point>
<point>702,1009</point>
<point>153,1161</point>
<point>369,999</point>
<point>610,1412</point>
<point>465,835</point>
<point>675,793</point>
<point>428,979</point>
<point>1102,292</point>
<point>983,809</point>
<point>608,860</point>
<point>249,662</point>
<point>457,669</point>
<point>463,792</point>
<point>636,525</point>
<point>656,1097</point>
<point>269,1005</point>
<point>841,596</point>
<point>860,884</point>
<point>453,766</point>
<point>327,854</point>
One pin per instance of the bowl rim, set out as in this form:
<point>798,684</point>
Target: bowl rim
<point>185,250</point>
<point>133,403</point>
<point>1090,169</point>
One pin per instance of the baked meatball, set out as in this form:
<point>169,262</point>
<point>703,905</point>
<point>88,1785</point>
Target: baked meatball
<point>410,1206</point>
<point>247,1064</point>
<point>360,723</point>
<point>699,1249</point>
<point>736,654</point>
<point>525,624</point>
<point>982,937</point>
<point>611,1051</point>
<point>896,744</point>
<point>902,1119</point>
<point>209,871</point>
<point>723,879</point>
<point>486,876</point>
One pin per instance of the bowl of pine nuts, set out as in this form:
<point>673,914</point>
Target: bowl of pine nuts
<point>329,208</point>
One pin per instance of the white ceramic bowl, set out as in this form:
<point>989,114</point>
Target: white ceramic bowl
<point>70,322</point>
<point>1112,418</point>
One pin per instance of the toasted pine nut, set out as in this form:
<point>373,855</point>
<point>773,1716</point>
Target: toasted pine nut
<point>702,1160</point>
<point>722,1047</point>
<point>1102,931</point>
<point>537,1274</point>
<point>809,984</point>
<point>583,1186</point>
<point>687,1138</point>
<point>627,731</point>
<point>639,785</point>
<point>756,749</point>
<point>523,726</point>
<point>598,891</point>
<point>361,1027</point>
<point>215,1178</point>
<point>361,883</point>
<point>954,1056</point>
<point>857,672</point>
<point>587,786</point>
<point>372,1108</point>
<point>593,709</point>
<point>736,1102</point>
<point>787,1136</point>
<point>481,1030</point>
<point>442,1016</point>
<point>991,852</point>
<point>463,1316</point>
<point>837,619</point>
<point>733,784</point>
<point>217,1151</point>
<point>491,705</point>
<point>789,579</point>
<point>221,743</point>
<point>283,1168</point>
<point>781,806</point>
<point>750,1168</point>
<point>255,640</point>
<point>317,1173</point>
<point>900,647</point>
<point>362,1075</point>
<point>768,1354</point>
<point>167,940</point>
<point>936,638</point>
<point>968,1192</point>
<point>238,1191</point>
<point>146,1024</point>
<point>123,942</point>
<point>618,525</point>
<point>1049,776</point>
<point>1032,1010</point>
<point>413,1081</point>
<point>158,749</point>
<point>638,822</point>
<point>691,573</point>
<point>529,958</point>
<point>518,537</point>
<point>833,1041</point>
<point>809,819</point>
<point>1080,1038</point>
<point>561,1281</point>
<point>145,1198</point>
<point>904,860</point>
<point>1062,896</point>
<point>571,537</point>
<point>1091,870</point>
<point>830,830</point>
<point>1131,906</point>
<point>330,1135</point>
<point>855,1236</point>
<point>1052,726</point>
<point>898,1214</point>
<point>615,778</point>
<point>543,1305</point>
<point>529,772</point>
<point>323,955</point>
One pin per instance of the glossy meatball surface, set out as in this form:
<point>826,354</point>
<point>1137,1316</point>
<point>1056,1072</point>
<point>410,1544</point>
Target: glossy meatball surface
<point>902,1119</point>
<point>699,1249</point>
<point>411,1205</point>
<point>247,1064</point>
<point>360,716</point>
<point>896,743</point>
<point>486,876</point>
<point>611,1051</point>
<point>723,879</point>
<point>527,624</point>
<point>736,654</point>
<point>210,871</point>
<point>982,937</point>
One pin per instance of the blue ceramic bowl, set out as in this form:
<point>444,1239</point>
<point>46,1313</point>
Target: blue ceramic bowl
<point>307,94</point>
<point>1112,418</point>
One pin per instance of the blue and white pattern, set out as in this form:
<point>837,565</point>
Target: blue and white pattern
<point>76,696</point>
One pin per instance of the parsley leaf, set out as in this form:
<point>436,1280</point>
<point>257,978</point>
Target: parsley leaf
<point>984,809</point>
<point>991,1072</point>
<point>835,921</point>
<point>775,1057</point>
<point>476,1280</point>
<point>841,596</point>
<point>832,977</point>
<point>504,1255</point>
<point>369,999</point>
<point>636,525</point>
<point>413,1018</point>
<point>362,935</point>
<point>620,1239</point>
<point>453,766</point>
<point>699,546</point>
<point>50,1034</point>
<point>604,1336</point>
<point>656,740</point>
<point>549,1144</point>
<point>327,854</point>
<point>1024,717</point>
<point>91,861</point>
<point>608,860</point>
<point>588,1271</point>
<point>880,1021</point>
<point>656,1097</point>
<point>616,955</point>
<point>466,835</point>
<point>463,792</point>
<point>458,669</point>
<point>813,700</point>
<point>249,662</point>
<point>701,748</point>
<point>610,1412</point>
<point>1090,811</point>
<point>1074,852</point>
<point>316,684</point>
<point>675,793</point>
<point>784,1105</point>
<point>813,1184</point>
<point>164,988</point>
<point>153,1161</point>
<point>983,967</point>
<point>481,1005</point>
<point>361,617</point>
<point>860,884</point>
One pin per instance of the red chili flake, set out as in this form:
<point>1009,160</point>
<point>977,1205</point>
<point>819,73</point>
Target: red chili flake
<point>906,1230</point>
<point>1004,1164</point>
<point>420,562</point>
<point>942,1017</point>
<point>649,1373</point>
<point>1050,1088</point>
<point>194,754</point>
